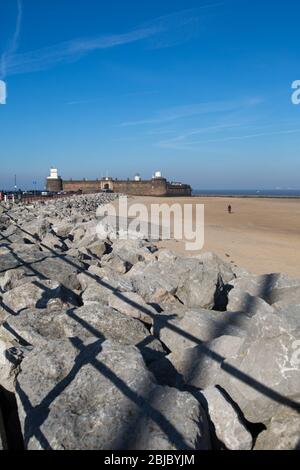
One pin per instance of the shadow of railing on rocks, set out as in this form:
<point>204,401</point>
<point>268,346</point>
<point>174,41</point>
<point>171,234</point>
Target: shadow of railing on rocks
<point>6,308</point>
<point>67,296</point>
<point>268,285</point>
<point>218,358</point>
<point>154,414</point>
<point>142,402</point>
<point>37,415</point>
<point>231,319</point>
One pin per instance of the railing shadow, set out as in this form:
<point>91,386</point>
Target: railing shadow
<point>36,416</point>
<point>156,416</point>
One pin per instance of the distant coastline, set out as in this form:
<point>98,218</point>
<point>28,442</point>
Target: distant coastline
<point>266,194</point>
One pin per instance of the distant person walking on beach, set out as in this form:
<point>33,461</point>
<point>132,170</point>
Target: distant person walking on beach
<point>229,209</point>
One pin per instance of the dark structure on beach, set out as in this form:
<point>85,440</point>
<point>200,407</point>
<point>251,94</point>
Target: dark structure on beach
<point>156,186</point>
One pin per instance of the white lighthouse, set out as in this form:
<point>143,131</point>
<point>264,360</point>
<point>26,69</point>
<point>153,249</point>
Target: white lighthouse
<point>157,175</point>
<point>53,174</point>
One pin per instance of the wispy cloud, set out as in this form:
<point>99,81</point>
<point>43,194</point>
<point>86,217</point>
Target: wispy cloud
<point>183,139</point>
<point>69,51</point>
<point>74,103</point>
<point>141,93</point>
<point>251,136</point>
<point>180,143</point>
<point>8,55</point>
<point>186,24</point>
<point>180,112</point>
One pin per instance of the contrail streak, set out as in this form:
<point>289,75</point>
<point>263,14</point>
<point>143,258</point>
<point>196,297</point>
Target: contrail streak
<point>167,30</point>
<point>13,46</point>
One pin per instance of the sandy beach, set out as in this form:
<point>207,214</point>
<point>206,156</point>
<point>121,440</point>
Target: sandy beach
<point>261,235</point>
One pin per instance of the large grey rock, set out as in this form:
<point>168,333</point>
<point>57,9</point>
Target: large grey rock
<point>240,272</point>
<point>283,433</point>
<point>14,259</point>
<point>63,229</point>
<point>96,293</point>
<point>52,412</point>
<point>201,366</point>
<point>10,229</point>
<point>270,287</point>
<point>37,228</point>
<point>116,263</point>
<point>196,327</point>
<point>99,283</point>
<point>37,327</point>
<point>133,305</point>
<point>213,262</point>
<point>10,359</point>
<point>133,251</point>
<point>163,254</point>
<point>96,320</point>
<point>272,325</point>
<point>3,313</point>
<point>165,373</point>
<point>183,412</point>
<point>116,393</point>
<point>89,237</point>
<point>147,279</point>
<point>82,254</point>
<point>229,428</point>
<point>285,296</point>
<point>77,234</point>
<point>200,289</point>
<point>165,301</point>
<point>63,269</point>
<point>51,243</point>
<point>290,315</point>
<point>194,285</point>
<point>264,376</point>
<point>241,301</point>
<point>97,248</point>
<point>23,245</point>
<point>13,278</point>
<point>198,367</point>
<point>39,294</point>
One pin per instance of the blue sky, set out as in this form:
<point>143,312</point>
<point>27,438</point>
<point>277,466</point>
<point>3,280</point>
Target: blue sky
<point>200,90</point>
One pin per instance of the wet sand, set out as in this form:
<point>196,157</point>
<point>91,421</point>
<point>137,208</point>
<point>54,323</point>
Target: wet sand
<point>261,235</point>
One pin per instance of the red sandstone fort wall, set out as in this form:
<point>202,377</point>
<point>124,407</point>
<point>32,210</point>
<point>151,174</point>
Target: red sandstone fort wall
<point>82,185</point>
<point>177,191</point>
<point>154,187</point>
<point>134,188</point>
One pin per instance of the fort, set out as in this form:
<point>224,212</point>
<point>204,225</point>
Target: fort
<point>156,186</point>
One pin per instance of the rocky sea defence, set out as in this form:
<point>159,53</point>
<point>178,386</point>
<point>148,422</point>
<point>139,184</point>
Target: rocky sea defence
<point>116,344</point>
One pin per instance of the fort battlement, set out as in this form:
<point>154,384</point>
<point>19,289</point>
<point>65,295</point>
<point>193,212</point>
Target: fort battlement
<point>156,186</point>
